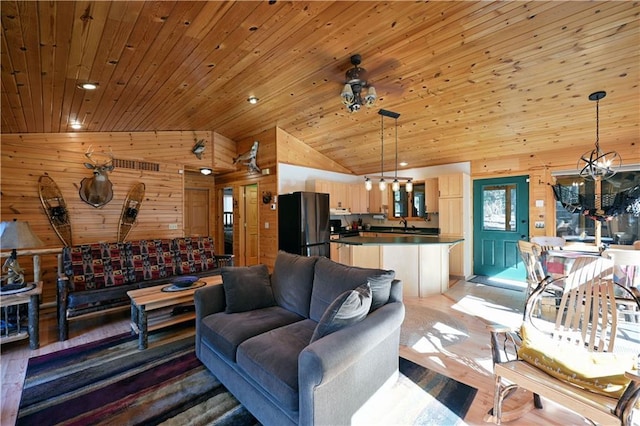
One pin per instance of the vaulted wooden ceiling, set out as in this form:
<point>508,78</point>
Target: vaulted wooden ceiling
<point>471,80</point>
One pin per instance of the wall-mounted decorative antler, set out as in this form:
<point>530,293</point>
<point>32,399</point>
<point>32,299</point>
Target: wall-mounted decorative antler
<point>97,190</point>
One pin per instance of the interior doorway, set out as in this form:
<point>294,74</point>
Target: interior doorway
<point>227,219</point>
<point>196,212</point>
<point>250,208</point>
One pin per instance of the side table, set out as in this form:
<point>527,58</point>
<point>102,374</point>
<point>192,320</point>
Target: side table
<point>31,298</point>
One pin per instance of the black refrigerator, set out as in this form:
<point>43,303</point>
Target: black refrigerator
<point>303,223</point>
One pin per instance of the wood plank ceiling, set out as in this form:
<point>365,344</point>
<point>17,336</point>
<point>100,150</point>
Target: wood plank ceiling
<point>471,80</point>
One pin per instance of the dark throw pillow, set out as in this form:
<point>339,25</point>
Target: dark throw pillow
<point>247,288</point>
<point>348,308</point>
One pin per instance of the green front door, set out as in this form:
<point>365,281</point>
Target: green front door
<point>500,219</point>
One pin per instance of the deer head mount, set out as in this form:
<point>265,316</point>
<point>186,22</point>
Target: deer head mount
<point>97,190</point>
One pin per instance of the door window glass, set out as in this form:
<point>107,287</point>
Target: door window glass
<point>499,208</point>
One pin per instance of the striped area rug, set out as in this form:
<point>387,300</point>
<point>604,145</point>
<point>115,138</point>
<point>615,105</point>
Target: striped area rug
<point>112,382</point>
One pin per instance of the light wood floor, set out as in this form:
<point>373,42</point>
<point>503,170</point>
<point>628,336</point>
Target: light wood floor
<point>467,360</point>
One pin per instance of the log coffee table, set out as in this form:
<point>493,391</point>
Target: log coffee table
<point>146,301</point>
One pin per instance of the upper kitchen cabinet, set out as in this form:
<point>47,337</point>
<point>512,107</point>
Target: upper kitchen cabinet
<point>338,192</point>
<point>358,198</point>
<point>379,200</point>
<point>451,186</point>
<point>431,195</point>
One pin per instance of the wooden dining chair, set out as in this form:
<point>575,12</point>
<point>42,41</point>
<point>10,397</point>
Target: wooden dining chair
<point>628,267</point>
<point>549,243</point>
<point>574,357</point>
<point>531,257</point>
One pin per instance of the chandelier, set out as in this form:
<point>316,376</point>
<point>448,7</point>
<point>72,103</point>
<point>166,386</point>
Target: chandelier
<point>355,83</point>
<point>382,184</point>
<point>597,164</point>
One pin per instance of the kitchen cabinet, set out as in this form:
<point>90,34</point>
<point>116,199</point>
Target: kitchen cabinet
<point>454,212</point>
<point>450,216</point>
<point>379,200</point>
<point>358,198</point>
<point>451,186</point>
<point>337,191</point>
<point>431,195</point>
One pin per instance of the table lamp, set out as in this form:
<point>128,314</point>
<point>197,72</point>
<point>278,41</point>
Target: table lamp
<point>15,235</point>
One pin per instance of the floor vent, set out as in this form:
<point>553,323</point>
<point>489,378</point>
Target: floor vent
<point>136,165</point>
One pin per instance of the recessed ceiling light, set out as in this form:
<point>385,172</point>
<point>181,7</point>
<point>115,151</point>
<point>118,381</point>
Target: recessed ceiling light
<point>76,125</point>
<point>403,163</point>
<point>253,100</point>
<point>89,86</point>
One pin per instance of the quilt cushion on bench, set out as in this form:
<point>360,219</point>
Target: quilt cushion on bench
<point>227,331</point>
<point>599,372</point>
<point>193,255</point>
<point>150,259</point>
<point>271,359</point>
<point>96,266</point>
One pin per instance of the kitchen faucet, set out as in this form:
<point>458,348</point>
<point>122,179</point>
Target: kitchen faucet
<point>403,221</point>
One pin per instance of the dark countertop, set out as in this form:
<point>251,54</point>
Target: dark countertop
<point>401,230</point>
<point>398,239</point>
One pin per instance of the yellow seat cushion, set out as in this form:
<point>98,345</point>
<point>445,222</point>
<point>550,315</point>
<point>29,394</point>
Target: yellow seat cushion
<point>600,372</point>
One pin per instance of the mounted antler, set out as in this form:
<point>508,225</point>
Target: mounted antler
<point>97,190</point>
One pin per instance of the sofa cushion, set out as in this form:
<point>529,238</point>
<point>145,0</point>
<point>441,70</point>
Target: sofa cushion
<point>332,278</point>
<point>347,309</point>
<point>292,281</point>
<point>271,360</point>
<point>246,288</point>
<point>98,265</point>
<point>225,331</point>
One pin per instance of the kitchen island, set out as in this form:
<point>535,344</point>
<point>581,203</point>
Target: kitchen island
<point>420,261</point>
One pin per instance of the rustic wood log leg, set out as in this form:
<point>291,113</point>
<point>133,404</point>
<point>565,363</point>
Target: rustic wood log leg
<point>34,321</point>
<point>143,338</point>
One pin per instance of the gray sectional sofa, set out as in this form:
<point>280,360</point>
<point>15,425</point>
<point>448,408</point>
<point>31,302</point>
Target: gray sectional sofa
<point>308,344</point>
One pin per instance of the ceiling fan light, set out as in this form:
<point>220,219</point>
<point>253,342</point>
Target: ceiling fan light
<point>368,185</point>
<point>347,95</point>
<point>395,186</point>
<point>371,97</point>
<point>409,186</point>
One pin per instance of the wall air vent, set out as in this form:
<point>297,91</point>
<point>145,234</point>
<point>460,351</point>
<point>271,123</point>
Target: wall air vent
<point>136,165</point>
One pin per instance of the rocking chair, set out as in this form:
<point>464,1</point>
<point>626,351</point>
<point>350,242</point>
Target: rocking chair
<point>569,353</point>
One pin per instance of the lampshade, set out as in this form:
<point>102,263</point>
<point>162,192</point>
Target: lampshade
<point>18,235</point>
<point>382,184</point>
<point>367,184</point>
<point>409,186</point>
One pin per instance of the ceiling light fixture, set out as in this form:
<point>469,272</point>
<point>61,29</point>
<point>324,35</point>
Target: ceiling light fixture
<point>89,86</point>
<point>597,164</point>
<point>253,100</point>
<point>382,184</point>
<point>355,82</point>
<point>75,125</point>
<point>206,171</point>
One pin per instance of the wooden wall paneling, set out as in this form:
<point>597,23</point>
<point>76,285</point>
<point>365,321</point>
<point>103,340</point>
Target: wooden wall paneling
<point>291,150</point>
<point>224,152</point>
